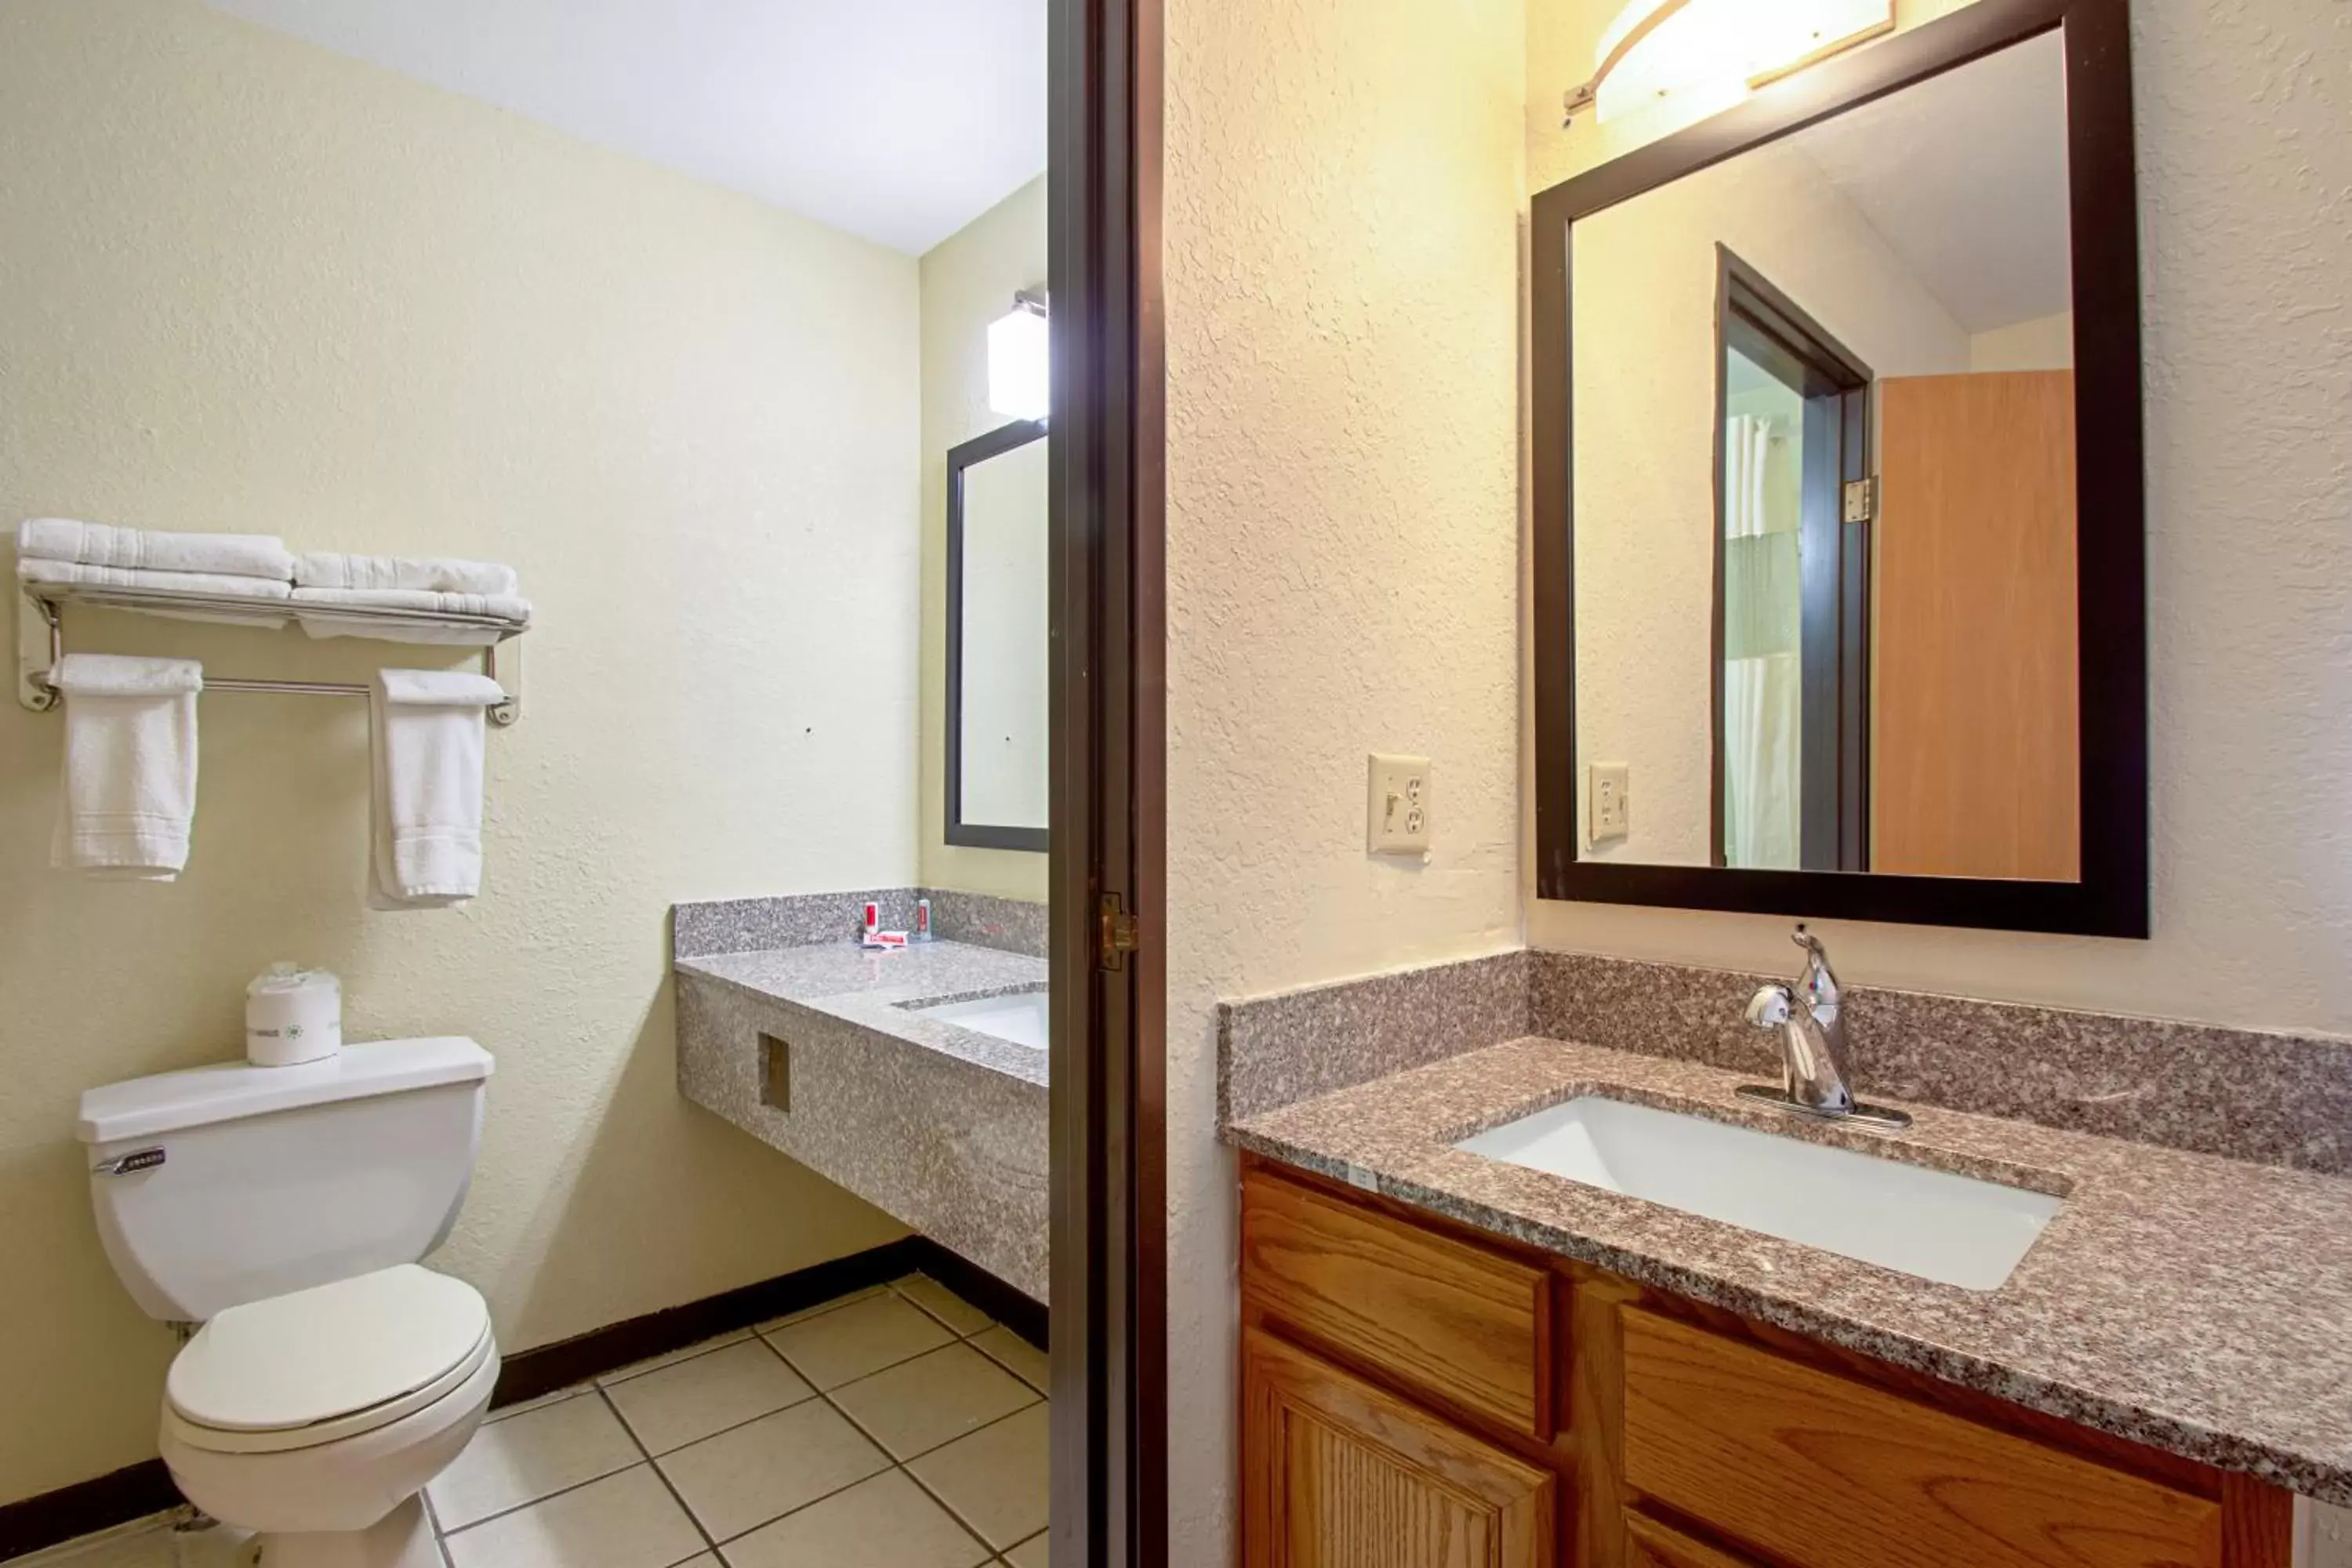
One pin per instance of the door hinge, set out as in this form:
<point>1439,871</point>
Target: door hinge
<point>1861,499</point>
<point>1118,936</point>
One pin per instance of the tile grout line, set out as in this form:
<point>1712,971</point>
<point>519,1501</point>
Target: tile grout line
<point>602,1390</point>
<point>693,1519</point>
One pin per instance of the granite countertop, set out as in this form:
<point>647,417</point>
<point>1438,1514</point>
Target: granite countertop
<point>880,989</point>
<point>2196,1304</point>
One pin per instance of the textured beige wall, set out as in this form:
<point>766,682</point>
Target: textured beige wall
<point>1343,189</point>
<point>967,281</point>
<point>247,284</point>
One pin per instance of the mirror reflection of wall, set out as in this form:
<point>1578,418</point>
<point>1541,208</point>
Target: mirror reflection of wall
<point>1824,494</point>
<point>997,581</point>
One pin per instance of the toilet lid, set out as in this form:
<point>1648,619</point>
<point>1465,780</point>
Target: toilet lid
<point>317,1355</point>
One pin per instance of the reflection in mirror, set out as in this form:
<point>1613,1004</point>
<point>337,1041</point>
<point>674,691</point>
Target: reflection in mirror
<point>997,580</point>
<point>1823,494</point>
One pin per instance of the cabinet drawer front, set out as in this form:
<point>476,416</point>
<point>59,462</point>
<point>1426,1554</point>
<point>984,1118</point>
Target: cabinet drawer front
<point>1469,1325</point>
<point>1339,1474</point>
<point>1649,1544</point>
<point>1828,1473</point>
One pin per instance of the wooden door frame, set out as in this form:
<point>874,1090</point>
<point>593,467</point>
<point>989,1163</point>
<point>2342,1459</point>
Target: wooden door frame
<point>1108,836</point>
<point>1834,763</point>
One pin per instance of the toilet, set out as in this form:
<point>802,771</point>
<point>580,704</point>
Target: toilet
<point>280,1213</point>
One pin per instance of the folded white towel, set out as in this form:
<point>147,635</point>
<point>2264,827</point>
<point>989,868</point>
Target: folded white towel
<point>32,569</point>
<point>426,811</point>
<point>147,550</point>
<point>438,575</point>
<point>131,765</point>
<point>502,606</point>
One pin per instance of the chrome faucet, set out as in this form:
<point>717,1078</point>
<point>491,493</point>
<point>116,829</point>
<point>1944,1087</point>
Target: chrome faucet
<point>1811,1019</point>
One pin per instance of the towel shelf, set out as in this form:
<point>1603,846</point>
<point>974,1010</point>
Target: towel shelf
<point>41,643</point>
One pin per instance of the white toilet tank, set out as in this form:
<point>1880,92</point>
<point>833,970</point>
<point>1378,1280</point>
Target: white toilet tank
<point>225,1184</point>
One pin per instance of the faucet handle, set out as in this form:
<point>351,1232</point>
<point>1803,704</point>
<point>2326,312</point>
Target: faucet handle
<point>1820,982</point>
<point>1771,1008</point>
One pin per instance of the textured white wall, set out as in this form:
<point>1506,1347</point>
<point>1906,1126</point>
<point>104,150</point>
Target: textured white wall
<point>1646,344</point>
<point>247,284</point>
<point>1343,199</point>
<point>967,281</point>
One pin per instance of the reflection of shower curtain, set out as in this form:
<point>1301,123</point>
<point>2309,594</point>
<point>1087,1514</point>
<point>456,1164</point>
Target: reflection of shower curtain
<point>1762,671</point>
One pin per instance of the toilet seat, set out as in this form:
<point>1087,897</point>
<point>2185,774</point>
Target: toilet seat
<point>327,1364</point>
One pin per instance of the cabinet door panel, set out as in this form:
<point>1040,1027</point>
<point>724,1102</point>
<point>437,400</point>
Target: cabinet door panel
<point>1339,1474</point>
<point>1828,1473</point>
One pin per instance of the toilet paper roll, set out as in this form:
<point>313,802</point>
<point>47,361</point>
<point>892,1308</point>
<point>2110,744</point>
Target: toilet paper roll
<point>293,1015</point>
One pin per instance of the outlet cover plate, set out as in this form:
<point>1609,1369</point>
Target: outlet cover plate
<point>1612,799</point>
<point>1397,805</point>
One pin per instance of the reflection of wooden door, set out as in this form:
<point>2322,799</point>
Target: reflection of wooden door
<point>1339,1474</point>
<point>1976,746</point>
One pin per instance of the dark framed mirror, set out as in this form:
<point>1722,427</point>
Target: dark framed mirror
<point>997,695</point>
<point>1839,547</point>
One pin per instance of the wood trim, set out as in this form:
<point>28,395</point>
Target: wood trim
<point>52,1517</point>
<point>543,1369</point>
<point>957,831</point>
<point>1108,834</point>
<point>2111,896</point>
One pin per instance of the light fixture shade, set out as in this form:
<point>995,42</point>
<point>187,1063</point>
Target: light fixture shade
<point>1660,49</point>
<point>1020,363</point>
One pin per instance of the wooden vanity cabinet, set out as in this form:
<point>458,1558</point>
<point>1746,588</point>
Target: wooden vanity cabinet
<point>1419,1394</point>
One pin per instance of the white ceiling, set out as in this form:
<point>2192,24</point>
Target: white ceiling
<point>900,120</point>
<point>1965,175</point>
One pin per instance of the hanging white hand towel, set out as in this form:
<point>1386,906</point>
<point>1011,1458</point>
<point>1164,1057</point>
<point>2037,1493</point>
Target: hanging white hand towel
<point>150,550</point>
<point>130,765</point>
<point>426,811</point>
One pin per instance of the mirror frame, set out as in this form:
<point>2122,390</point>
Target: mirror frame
<point>2112,897</point>
<point>975,834</point>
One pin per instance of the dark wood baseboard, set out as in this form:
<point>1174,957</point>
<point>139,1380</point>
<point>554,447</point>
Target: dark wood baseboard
<point>85,1508</point>
<point>138,1491</point>
<point>543,1369</point>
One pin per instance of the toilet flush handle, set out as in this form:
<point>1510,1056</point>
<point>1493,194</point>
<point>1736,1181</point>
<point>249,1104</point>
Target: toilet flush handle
<point>125,1164</point>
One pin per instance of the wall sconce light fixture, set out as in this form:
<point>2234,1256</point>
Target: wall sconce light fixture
<point>1019,359</point>
<point>1658,49</point>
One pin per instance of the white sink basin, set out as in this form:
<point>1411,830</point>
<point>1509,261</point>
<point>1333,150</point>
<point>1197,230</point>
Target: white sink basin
<point>1938,1226</point>
<point>1020,1018</point>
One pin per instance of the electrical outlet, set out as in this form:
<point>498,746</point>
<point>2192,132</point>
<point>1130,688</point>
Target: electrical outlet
<point>1397,805</point>
<point>1612,799</point>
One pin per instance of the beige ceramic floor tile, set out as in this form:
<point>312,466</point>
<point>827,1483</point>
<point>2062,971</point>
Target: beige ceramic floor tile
<point>655,1363</point>
<point>770,1466</point>
<point>1030,1553</point>
<point>526,1456</point>
<point>627,1521</point>
<point>915,1407</point>
<point>941,1303</point>
<point>822,1308</point>
<point>1015,1354</point>
<point>995,1479</point>
<point>687,1400</point>
<point>886,1522</point>
<point>840,1347</point>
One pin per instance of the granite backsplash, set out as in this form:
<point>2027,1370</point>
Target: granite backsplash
<point>2245,1094</point>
